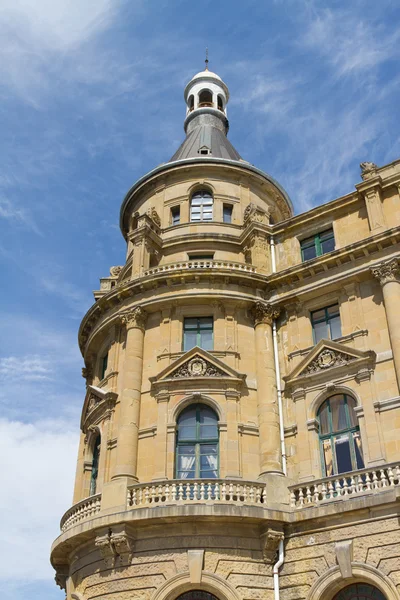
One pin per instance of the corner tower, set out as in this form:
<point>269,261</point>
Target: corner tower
<point>201,357</point>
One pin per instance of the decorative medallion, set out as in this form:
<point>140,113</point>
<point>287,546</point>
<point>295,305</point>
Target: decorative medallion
<point>197,367</point>
<point>327,359</point>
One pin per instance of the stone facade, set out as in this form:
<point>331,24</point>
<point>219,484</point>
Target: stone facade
<point>138,531</point>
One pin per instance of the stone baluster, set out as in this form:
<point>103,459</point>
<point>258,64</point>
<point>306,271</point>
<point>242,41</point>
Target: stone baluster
<point>270,457</point>
<point>388,275</point>
<point>127,446</point>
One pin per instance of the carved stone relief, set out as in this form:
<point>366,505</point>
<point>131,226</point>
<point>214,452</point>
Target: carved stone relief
<point>327,359</point>
<point>197,367</point>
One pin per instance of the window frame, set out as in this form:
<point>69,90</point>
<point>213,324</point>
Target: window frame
<point>202,193</point>
<point>315,241</point>
<point>332,434</point>
<point>196,442</point>
<point>103,366</point>
<point>175,212</point>
<point>198,332</point>
<point>327,319</point>
<point>228,206</point>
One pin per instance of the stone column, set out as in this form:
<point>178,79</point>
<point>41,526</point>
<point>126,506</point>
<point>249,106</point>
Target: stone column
<point>127,443</point>
<point>268,416</point>
<point>388,274</point>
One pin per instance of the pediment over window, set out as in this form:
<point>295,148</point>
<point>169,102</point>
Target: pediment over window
<point>97,403</point>
<point>197,365</point>
<point>330,359</point>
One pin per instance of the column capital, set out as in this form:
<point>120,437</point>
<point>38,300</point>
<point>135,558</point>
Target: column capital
<point>387,271</point>
<point>263,312</point>
<point>134,317</point>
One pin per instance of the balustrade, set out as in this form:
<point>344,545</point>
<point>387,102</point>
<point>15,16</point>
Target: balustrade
<point>80,512</point>
<point>201,264</point>
<point>345,485</point>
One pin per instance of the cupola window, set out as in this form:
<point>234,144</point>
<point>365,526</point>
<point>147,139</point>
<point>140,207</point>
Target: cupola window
<point>205,98</point>
<point>220,103</point>
<point>201,206</point>
<point>197,443</point>
<point>191,103</point>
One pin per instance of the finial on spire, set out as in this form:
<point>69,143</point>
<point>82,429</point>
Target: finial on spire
<point>206,61</point>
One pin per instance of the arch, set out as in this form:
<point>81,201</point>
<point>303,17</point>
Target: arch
<point>205,98</point>
<point>359,590</point>
<point>201,185</point>
<point>220,102</point>
<point>179,584</point>
<point>332,582</point>
<point>197,595</point>
<point>197,398</point>
<point>326,393</point>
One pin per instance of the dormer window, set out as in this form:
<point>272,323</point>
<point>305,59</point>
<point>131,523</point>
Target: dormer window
<point>205,98</point>
<point>204,150</point>
<point>201,206</point>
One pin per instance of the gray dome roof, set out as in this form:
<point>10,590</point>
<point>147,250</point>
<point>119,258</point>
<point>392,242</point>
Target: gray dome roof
<point>209,138</point>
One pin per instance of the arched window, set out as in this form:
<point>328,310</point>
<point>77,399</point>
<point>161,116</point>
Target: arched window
<point>201,206</point>
<point>339,433</point>
<point>220,103</point>
<point>95,465</point>
<point>205,98</point>
<point>191,103</point>
<point>197,443</point>
<point>359,591</point>
<point>197,595</point>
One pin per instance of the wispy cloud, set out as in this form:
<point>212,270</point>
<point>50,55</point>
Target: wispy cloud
<point>37,467</point>
<point>25,368</point>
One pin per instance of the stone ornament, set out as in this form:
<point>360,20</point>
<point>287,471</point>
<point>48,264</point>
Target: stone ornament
<point>269,542</point>
<point>115,271</point>
<point>387,271</point>
<point>368,170</point>
<point>114,543</point>
<point>197,367</point>
<point>135,317</point>
<point>253,213</point>
<point>153,215</point>
<point>265,313</point>
<point>327,359</point>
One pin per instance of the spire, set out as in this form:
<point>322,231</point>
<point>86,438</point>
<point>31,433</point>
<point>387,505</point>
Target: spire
<point>206,124</point>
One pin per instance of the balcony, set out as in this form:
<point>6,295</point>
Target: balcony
<point>347,485</point>
<point>174,493</point>
<point>186,265</point>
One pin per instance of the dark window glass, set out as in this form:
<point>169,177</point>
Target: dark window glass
<point>198,331</point>
<point>175,215</point>
<point>227,213</point>
<point>201,256</point>
<point>95,465</point>
<point>205,98</point>
<point>318,244</point>
<point>359,591</point>
<point>197,443</point>
<point>326,323</point>
<point>340,440</point>
<point>104,365</point>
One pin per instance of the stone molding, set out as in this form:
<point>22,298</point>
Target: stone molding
<point>98,406</point>
<point>270,539</point>
<point>387,271</point>
<point>384,405</point>
<point>344,557</point>
<point>61,576</point>
<point>265,313</point>
<point>115,543</point>
<point>195,564</point>
<point>135,317</point>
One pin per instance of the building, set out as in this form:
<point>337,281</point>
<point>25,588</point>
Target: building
<point>241,427</point>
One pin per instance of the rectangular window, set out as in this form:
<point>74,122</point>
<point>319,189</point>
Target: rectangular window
<point>175,215</point>
<point>227,213</point>
<point>198,331</point>
<point>104,365</point>
<point>326,323</point>
<point>317,245</point>
<point>201,256</point>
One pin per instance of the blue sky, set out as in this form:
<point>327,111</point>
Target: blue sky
<point>91,98</point>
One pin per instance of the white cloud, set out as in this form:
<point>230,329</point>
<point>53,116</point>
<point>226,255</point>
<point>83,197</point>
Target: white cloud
<point>26,368</point>
<point>14,213</point>
<point>37,464</point>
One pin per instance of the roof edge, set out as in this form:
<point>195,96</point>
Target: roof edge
<point>188,161</point>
